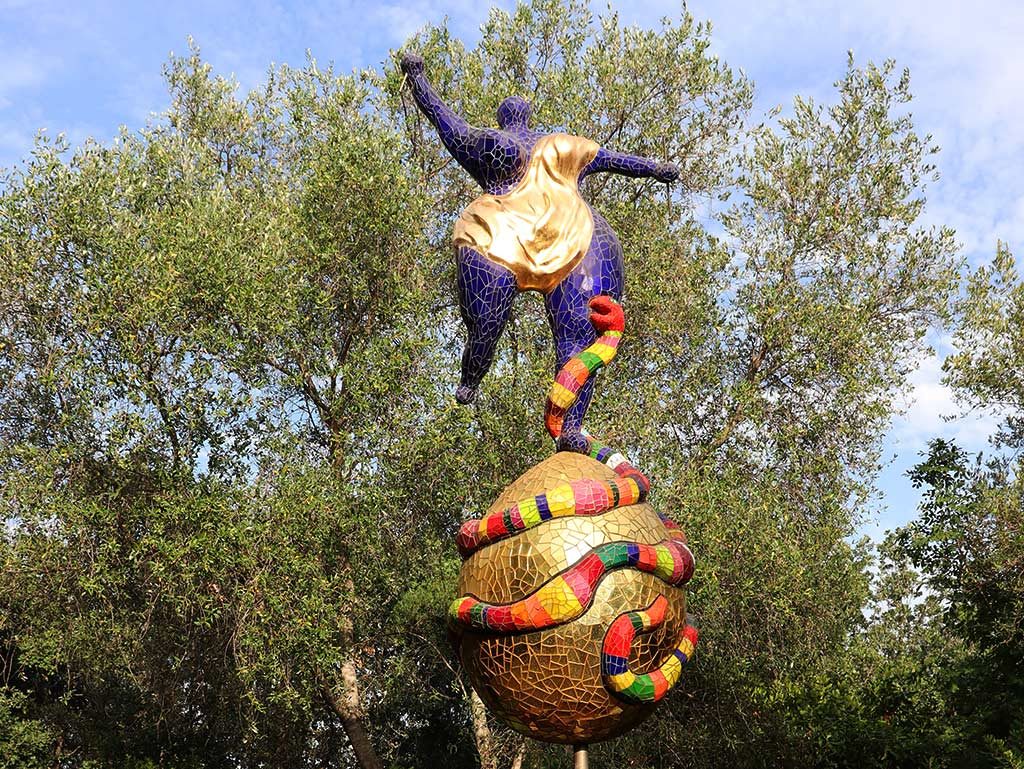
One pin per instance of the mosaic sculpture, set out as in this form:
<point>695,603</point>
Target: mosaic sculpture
<point>571,617</point>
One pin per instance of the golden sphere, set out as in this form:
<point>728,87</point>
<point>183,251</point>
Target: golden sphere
<point>547,684</point>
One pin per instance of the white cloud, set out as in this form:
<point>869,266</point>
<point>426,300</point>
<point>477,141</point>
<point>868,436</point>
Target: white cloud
<point>400,20</point>
<point>22,68</point>
<point>931,410</point>
<point>13,138</point>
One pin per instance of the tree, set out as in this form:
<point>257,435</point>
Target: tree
<point>231,460</point>
<point>967,545</point>
<point>987,368</point>
<point>822,308</point>
<point>936,673</point>
<point>196,366</point>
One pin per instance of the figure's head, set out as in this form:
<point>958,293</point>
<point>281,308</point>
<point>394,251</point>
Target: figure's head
<point>514,112</point>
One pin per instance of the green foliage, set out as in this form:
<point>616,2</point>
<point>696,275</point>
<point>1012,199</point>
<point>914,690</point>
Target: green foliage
<point>970,539</point>
<point>967,547</point>
<point>934,676</point>
<point>232,467</point>
<point>839,282</point>
<point>202,398</point>
<point>987,370</point>
<point>25,742</point>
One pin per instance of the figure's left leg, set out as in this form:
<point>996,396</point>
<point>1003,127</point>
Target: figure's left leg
<point>568,309</point>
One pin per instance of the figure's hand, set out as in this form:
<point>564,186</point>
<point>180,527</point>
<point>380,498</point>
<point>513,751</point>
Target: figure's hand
<point>666,172</point>
<point>412,64</point>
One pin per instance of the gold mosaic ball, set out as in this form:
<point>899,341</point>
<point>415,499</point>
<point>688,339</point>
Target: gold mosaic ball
<point>547,684</point>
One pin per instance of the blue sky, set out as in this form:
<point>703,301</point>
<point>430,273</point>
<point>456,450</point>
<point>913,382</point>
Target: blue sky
<point>85,68</point>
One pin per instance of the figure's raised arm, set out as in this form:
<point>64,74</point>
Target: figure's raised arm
<point>458,137</point>
<point>630,165</point>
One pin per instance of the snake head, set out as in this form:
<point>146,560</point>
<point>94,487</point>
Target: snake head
<point>606,314</point>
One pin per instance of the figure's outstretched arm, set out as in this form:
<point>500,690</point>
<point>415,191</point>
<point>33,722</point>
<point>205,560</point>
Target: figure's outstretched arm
<point>630,165</point>
<point>458,137</point>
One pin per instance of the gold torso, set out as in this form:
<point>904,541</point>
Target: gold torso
<point>542,228</point>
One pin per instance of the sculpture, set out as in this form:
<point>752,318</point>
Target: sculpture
<point>545,237</point>
<point>571,581</point>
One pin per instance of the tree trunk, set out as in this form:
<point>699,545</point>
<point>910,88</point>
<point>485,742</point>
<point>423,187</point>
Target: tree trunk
<point>482,735</point>
<point>347,707</point>
<point>517,759</point>
<point>343,697</point>
<point>345,703</point>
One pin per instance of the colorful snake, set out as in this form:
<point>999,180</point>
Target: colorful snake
<point>648,687</point>
<point>569,594</point>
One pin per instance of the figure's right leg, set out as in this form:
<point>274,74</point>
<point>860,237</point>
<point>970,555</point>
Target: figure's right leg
<point>569,313</point>
<point>486,291</point>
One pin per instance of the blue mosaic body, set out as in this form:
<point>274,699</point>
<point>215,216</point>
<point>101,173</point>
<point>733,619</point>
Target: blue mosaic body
<point>497,158</point>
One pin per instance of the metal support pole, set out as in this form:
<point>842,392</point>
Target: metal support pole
<point>579,756</point>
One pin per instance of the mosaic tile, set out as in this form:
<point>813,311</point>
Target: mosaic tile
<point>570,613</point>
<point>531,182</point>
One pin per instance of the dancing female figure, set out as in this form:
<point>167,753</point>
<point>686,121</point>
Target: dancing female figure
<point>530,231</point>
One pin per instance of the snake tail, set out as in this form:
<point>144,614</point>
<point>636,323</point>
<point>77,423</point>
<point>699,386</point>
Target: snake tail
<point>618,643</point>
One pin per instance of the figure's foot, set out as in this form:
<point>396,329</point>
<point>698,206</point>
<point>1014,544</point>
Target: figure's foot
<point>465,394</point>
<point>606,314</point>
